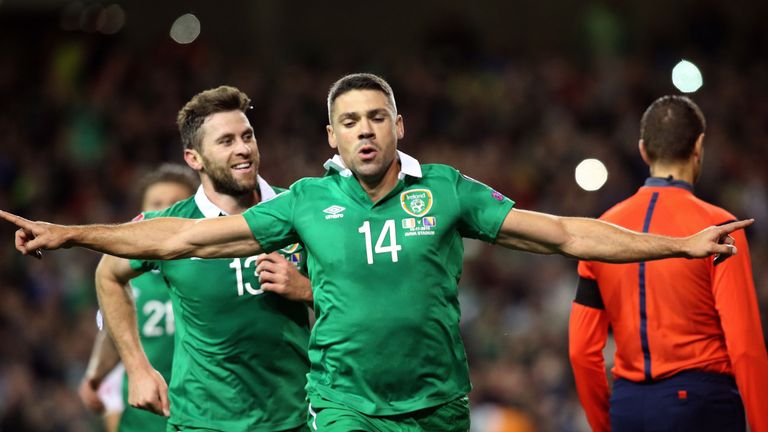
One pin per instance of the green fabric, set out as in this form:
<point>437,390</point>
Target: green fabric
<point>240,362</point>
<point>449,417</point>
<point>156,328</point>
<point>171,428</point>
<point>384,277</point>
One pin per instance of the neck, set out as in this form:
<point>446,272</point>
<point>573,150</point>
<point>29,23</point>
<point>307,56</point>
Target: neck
<point>678,171</point>
<point>231,204</point>
<point>377,188</point>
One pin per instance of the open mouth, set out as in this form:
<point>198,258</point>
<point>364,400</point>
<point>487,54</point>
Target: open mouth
<point>242,166</point>
<point>367,152</point>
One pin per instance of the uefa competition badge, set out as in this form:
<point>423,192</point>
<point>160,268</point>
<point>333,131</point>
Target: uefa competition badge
<point>416,202</point>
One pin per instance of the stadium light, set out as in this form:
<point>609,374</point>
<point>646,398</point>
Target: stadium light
<point>111,19</point>
<point>591,174</point>
<point>185,29</point>
<point>686,77</point>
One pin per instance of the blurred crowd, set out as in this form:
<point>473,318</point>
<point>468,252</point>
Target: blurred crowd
<point>81,119</point>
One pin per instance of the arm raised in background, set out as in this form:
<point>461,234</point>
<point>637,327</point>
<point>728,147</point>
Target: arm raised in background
<point>160,238</point>
<point>146,387</point>
<point>595,240</point>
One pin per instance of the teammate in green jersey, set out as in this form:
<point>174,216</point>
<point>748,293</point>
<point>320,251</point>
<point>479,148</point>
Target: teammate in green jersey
<point>157,190</point>
<point>384,240</point>
<point>240,361</point>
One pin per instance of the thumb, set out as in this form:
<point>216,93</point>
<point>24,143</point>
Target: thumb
<point>164,404</point>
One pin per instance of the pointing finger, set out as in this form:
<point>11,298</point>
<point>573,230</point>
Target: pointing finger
<point>733,226</point>
<point>16,220</point>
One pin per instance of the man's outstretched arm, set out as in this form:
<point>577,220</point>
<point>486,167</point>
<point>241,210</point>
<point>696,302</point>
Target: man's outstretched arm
<point>160,238</point>
<point>595,240</point>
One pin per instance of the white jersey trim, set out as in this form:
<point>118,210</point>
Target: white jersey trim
<point>314,417</point>
<point>409,166</point>
<point>210,210</point>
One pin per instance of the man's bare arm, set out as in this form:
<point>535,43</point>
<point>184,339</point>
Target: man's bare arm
<point>147,389</point>
<point>160,238</point>
<point>591,239</point>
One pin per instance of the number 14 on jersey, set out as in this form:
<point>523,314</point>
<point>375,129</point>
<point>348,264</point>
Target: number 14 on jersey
<point>387,233</point>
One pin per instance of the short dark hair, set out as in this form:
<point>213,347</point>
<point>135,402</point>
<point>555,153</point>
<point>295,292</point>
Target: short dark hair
<point>359,81</point>
<point>670,127</point>
<point>168,173</point>
<point>203,104</point>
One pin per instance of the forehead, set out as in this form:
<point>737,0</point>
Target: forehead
<point>162,194</point>
<point>360,101</point>
<point>226,122</point>
<point>162,188</point>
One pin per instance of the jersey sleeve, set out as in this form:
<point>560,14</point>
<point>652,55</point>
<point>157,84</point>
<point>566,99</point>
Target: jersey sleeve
<point>271,222</point>
<point>482,209</point>
<point>587,334</point>
<point>736,303</point>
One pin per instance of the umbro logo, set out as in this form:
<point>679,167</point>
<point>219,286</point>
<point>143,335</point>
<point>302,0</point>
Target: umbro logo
<point>334,212</point>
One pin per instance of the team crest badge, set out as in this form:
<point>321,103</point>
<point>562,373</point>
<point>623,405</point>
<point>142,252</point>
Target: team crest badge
<point>416,202</point>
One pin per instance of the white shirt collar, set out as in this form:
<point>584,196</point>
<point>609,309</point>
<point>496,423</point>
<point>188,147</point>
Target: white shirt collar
<point>409,166</point>
<point>210,210</point>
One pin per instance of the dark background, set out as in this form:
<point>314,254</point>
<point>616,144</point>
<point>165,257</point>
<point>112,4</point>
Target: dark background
<point>514,94</point>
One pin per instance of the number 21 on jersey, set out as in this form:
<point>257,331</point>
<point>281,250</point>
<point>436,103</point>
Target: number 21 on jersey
<point>387,233</point>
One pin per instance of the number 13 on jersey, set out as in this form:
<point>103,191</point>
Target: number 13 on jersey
<point>387,233</point>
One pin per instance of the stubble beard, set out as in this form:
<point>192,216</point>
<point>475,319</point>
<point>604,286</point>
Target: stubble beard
<point>225,183</point>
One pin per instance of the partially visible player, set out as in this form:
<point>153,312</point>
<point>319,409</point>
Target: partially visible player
<point>103,388</point>
<point>242,325</point>
<point>689,345</point>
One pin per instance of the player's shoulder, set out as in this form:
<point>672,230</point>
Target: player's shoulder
<point>717,214</point>
<point>619,209</point>
<point>435,169</point>
<point>441,173</point>
<point>708,213</point>
<point>696,208</point>
<point>186,208</point>
<point>278,190</point>
<point>312,184</point>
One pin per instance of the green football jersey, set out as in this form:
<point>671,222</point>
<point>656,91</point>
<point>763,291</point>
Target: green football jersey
<point>384,277</point>
<point>240,361</point>
<point>156,328</point>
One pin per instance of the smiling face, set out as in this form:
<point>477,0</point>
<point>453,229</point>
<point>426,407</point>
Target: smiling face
<point>229,157</point>
<point>364,129</point>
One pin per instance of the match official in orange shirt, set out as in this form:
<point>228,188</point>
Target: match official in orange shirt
<point>689,344</point>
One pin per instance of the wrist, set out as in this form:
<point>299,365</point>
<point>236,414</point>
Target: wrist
<point>72,236</point>
<point>137,364</point>
<point>681,248</point>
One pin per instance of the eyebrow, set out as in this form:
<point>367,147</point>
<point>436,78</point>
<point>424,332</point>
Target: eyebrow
<point>248,130</point>
<point>354,115</point>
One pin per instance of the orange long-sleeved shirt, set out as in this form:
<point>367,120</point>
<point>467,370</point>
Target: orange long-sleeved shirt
<point>670,315</point>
